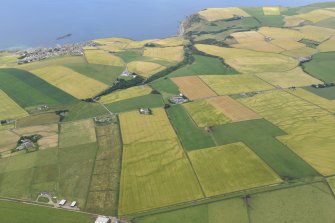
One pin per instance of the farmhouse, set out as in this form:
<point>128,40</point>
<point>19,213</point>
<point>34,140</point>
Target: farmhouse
<point>145,111</point>
<point>102,219</point>
<point>180,99</point>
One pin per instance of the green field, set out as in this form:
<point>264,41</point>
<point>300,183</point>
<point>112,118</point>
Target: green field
<point>227,211</point>
<point>230,168</point>
<point>190,135</point>
<point>309,204</point>
<point>327,93</point>
<point>165,85</point>
<point>147,101</point>
<point>103,73</point>
<point>104,189</point>
<point>17,213</point>
<point>321,66</point>
<point>83,110</point>
<point>38,119</point>
<point>203,65</point>
<point>265,20</point>
<point>77,133</point>
<point>259,135</point>
<point>28,90</point>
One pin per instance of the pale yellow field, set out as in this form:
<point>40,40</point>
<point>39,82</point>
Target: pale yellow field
<point>136,127</point>
<point>145,69</point>
<point>315,99</point>
<point>271,10</point>
<point>113,40</point>
<point>119,44</point>
<point>205,114</point>
<point>49,134</point>
<point>103,57</point>
<point>281,33</point>
<point>168,42</point>
<point>287,44</point>
<point>300,52</point>
<point>248,61</point>
<point>193,87</point>
<point>328,45</point>
<point>233,109</point>
<point>296,77</point>
<point>261,46</point>
<point>8,140</point>
<point>76,84</point>
<point>126,94</point>
<point>317,15</point>
<point>229,168</point>
<point>310,128</point>
<point>166,53</point>
<point>292,21</point>
<point>8,58</point>
<point>214,14</point>
<point>9,109</point>
<point>316,33</point>
<point>235,84</point>
<point>248,36</point>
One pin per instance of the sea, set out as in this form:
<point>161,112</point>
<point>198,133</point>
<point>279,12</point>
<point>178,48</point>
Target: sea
<point>39,23</point>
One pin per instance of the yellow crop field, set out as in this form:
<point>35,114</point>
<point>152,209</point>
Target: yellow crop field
<point>8,140</point>
<point>300,52</point>
<point>296,77</point>
<point>262,46</point>
<point>145,69</point>
<point>315,99</point>
<point>49,134</point>
<point>281,33</point>
<point>248,61</point>
<point>166,53</point>
<point>156,174</point>
<point>8,58</point>
<point>292,21</point>
<point>126,94</point>
<point>76,84</point>
<point>234,110</point>
<point>316,33</point>
<point>230,168</point>
<point>248,36</point>
<point>235,84</point>
<point>310,128</point>
<point>77,133</point>
<point>328,45</point>
<point>171,41</point>
<point>317,15</point>
<point>136,127</point>
<point>287,44</point>
<point>214,14</point>
<point>271,10</point>
<point>103,57</point>
<point>204,114</point>
<point>193,87</point>
<point>9,109</point>
<point>56,61</point>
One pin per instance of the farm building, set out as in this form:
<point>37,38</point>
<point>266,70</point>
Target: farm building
<point>73,204</point>
<point>102,219</point>
<point>145,111</point>
<point>180,99</point>
<point>62,202</point>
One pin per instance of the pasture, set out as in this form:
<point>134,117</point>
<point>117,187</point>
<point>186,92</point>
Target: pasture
<point>38,119</point>
<point>165,85</point>
<point>28,90</point>
<point>321,67</point>
<point>77,133</point>
<point>203,65</point>
<point>166,53</point>
<point>286,205</point>
<point>261,136</point>
<point>18,212</point>
<point>124,94</point>
<point>8,140</point>
<point>204,114</point>
<point>9,109</point>
<point>188,84</point>
<point>235,84</point>
<point>189,134</point>
<point>230,168</point>
<point>265,20</point>
<point>271,10</point>
<point>296,77</point>
<point>215,14</point>
<point>248,61</point>
<point>327,93</point>
<point>103,57</point>
<point>76,84</point>
<point>232,109</point>
<point>145,166</point>
<point>136,127</point>
<point>308,126</point>
<point>145,69</point>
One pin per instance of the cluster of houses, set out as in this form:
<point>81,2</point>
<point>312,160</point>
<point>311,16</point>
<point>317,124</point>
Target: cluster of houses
<point>76,49</point>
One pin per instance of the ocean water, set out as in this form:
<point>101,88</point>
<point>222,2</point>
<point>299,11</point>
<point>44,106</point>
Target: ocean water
<point>34,23</point>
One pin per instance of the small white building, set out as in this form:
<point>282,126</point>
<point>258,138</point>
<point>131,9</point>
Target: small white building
<point>102,219</point>
<point>73,204</point>
<point>62,202</point>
